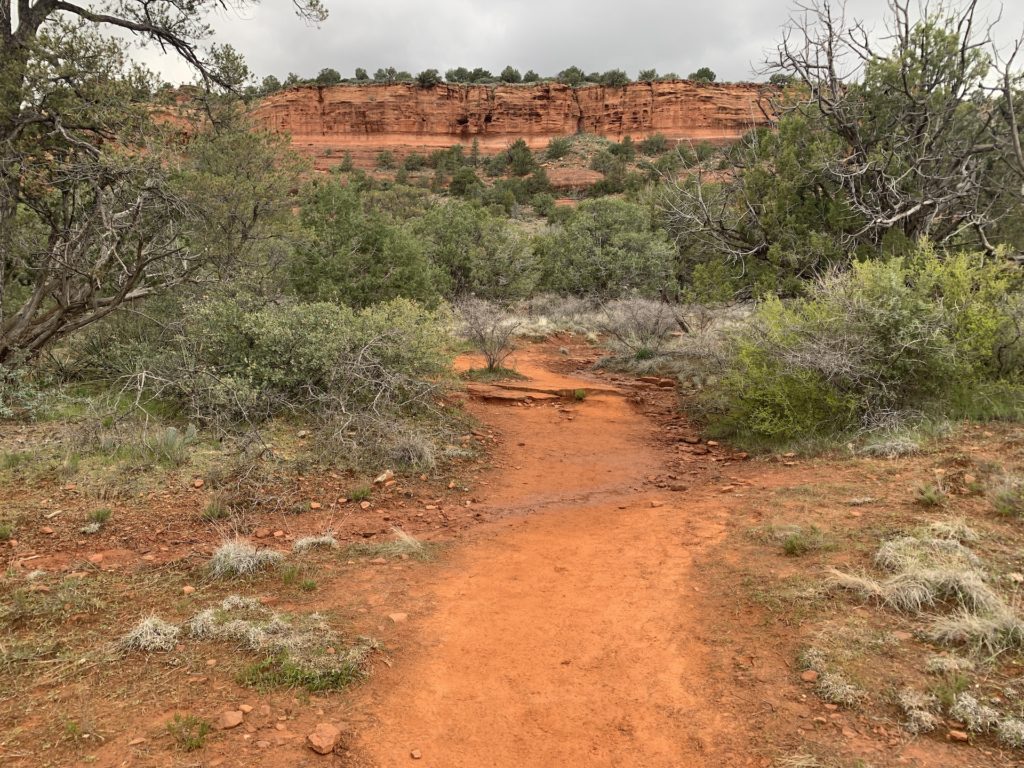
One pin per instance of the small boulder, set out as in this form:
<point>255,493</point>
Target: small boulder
<point>384,477</point>
<point>961,736</point>
<point>323,739</point>
<point>809,676</point>
<point>230,718</point>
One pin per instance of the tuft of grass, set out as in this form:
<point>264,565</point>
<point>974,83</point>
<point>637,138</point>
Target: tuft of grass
<point>151,634</point>
<point>280,671</point>
<point>918,709</point>
<point>100,516</point>
<point>1008,497</point>
<point>403,544</point>
<point>6,531</point>
<point>240,558</point>
<point>977,717</point>
<point>216,508</point>
<point>579,395</point>
<point>930,495</point>
<point>834,688</point>
<point>500,373</point>
<point>294,575</point>
<point>362,493</point>
<point>994,632</point>
<point>1010,731</point>
<point>11,460</point>
<point>323,541</point>
<point>189,732</point>
<point>952,685</point>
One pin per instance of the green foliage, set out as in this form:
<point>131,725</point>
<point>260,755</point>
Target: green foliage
<point>414,162</point>
<point>624,150</point>
<point>606,247</point>
<point>362,493</point>
<point>510,75</point>
<point>530,76</point>
<point>930,495</point>
<point>465,183</point>
<point>280,671</point>
<point>647,76</point>
<point>615,78</point>
<point>100,516</point>
<point>428,78</point>
<point>356,256</point>
<point>389,75</point>
<point>189,732</point>
<point>386,160</point>
<point>328,76</point>
<point>477,252</point>
<point>871,349</point>
<point>18,395</point>
<point>559,147</point>
<point>654,145</point>
<point>572,76</point>
<point>520,158</point>
<point>703,75</point>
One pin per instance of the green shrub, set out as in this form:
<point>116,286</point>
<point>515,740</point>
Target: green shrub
<point>358,255</point>
<point>189,732</point>
<point>386,159</point>
<point>882,345</point>
<point>608,248</point>
<point>18,395</point>
<point>558,147</point>
<point>654,145</point>
<point>477,252</point>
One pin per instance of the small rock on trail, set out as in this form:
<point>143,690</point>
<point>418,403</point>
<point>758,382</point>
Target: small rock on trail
<point>323,739</point>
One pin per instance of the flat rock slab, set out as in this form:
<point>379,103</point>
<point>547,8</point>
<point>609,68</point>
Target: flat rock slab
<point>491,392</point>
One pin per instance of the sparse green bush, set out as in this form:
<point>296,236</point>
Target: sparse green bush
<point>189,732</point>
<point>654,145</point>
<point>489,329</point>
<point>280,671</point>
<point>1008,497</point>
<point>19,396</point>
<point>386,160</point>
<point>558,147</point>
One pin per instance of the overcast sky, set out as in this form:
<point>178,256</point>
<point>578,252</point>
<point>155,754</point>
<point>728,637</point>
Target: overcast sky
<point>730,36</point>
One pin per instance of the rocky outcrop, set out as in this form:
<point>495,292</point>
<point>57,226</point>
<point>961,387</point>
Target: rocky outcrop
<point>328,119</point>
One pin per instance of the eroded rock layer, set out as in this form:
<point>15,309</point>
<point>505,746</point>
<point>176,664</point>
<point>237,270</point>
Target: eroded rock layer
<point>325,120</point>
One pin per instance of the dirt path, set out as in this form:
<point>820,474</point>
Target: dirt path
<point>568,634</point>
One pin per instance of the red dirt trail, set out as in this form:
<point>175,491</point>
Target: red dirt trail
<point>567,634</point>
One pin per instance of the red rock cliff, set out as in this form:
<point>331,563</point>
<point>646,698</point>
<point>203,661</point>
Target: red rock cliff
<point>404,116</point>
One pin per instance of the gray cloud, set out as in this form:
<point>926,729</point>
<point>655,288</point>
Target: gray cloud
<point>730,36</point>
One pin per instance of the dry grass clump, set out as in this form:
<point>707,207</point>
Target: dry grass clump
<point>240,558</point>
<point>995,632</point>
<point>928,568</point>
<point>323,541</point>
<point>257,628</point>
<point>913,591</point>
<point>1010,731</point>
<point>918,709</point>
<point>976,717</point>
<point>151,634</point>
<point>831,685</point>
<point>948,665</point>
<point>403,545</point>
<point>1008,496</point>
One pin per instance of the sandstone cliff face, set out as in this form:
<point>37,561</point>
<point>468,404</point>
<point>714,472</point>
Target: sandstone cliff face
<point>322,120</point>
